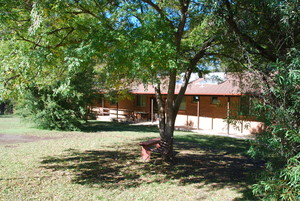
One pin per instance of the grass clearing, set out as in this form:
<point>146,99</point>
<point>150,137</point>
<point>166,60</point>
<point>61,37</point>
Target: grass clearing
<point>102,162</point>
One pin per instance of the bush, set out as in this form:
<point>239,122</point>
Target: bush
<point>279,145</point>
<point>59,106</point>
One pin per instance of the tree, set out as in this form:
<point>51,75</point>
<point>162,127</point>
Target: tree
<point>267,38</point>
<point>49,74</point>
<point>165,40</point>
<point>143,40</point>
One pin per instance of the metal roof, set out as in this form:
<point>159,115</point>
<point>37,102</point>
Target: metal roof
<point>229,86</point>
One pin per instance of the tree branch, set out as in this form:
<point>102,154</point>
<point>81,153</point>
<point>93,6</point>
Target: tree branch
<point>61,42</point>
<point>11,78</point>
<point>201,52</point>
<point>245,37</point>
<point>183,10</point>
<point>59,29</point>
<point>187,75</point>
<point>36,44</point>
<point>222,55</point>
<point>160,11</point>
<point>87,11</point>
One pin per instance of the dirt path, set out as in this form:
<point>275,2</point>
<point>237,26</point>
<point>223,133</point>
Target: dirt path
<point>13,139</point>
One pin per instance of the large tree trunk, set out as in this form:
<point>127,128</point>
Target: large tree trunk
<point>167,116</point>
<point>165,131</point>
<point>166,125</point>
<point>167,143</point>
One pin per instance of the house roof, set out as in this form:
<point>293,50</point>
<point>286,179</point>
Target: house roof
<point>227,84</point>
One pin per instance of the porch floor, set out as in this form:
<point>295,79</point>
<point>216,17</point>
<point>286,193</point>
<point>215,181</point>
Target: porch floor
<point>203,131</point>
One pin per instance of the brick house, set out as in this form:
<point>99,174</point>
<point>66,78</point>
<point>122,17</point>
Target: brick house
<point>210,103</point>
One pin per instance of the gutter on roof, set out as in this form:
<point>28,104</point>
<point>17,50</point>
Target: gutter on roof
<point>213,94</point>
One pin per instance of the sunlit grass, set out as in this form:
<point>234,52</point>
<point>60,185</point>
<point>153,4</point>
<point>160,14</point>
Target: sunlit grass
<point>103,163</point>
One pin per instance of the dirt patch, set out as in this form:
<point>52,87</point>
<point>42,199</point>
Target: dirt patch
<point>13,139</point>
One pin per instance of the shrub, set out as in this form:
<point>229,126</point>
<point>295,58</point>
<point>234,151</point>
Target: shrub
<point>279,145</point>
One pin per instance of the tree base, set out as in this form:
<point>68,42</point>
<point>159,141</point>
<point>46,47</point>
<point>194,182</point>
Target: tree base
<point>167,155</point>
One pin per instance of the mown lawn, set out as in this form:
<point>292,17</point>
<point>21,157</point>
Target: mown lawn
<point>102,162</point>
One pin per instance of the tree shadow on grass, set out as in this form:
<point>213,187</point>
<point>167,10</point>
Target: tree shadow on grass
<point>222,161</point>
<point>105,168</point>
<point>218,161</point>
<point>98,126</point>
<point>216,144</point>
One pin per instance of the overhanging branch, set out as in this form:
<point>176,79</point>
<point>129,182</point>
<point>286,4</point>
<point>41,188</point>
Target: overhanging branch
<point>36,44</point>
<point>191,67</point>
<point>229,19</point>
<point>222,55</point>
<point>59,29</point>
<point>64,38</point>
<point>161,12</point>
<point>184,5</point>
<point>201,52</point>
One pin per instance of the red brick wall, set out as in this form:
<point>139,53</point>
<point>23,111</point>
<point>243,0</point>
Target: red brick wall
<point>207,109</point>
<point>234,106</point>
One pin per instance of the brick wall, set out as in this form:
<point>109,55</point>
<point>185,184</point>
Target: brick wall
<point>212,116</point>
<point>207,109</point>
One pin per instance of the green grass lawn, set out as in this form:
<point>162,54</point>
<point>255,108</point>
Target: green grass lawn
<point>102,162</point>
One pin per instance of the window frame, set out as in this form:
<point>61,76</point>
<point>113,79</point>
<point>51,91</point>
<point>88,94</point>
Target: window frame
<point>246,102</point>
<point>140,100</point>
<point>215,100</point>
<point>182,106</point>
<point>195,99</point>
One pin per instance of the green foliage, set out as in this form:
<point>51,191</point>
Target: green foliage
<point>263,39</point>
<point>48,73</point>
<point>279,145</point>
<point>52,90</point>
<point>58,106</point>
<point>47,112</point>
<point>47,41</point>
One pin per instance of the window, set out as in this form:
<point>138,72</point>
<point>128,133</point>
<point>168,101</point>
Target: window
<point>140,100</point>
<point>215,100</point>
<point>183,104</point>
<point>196,99</point>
